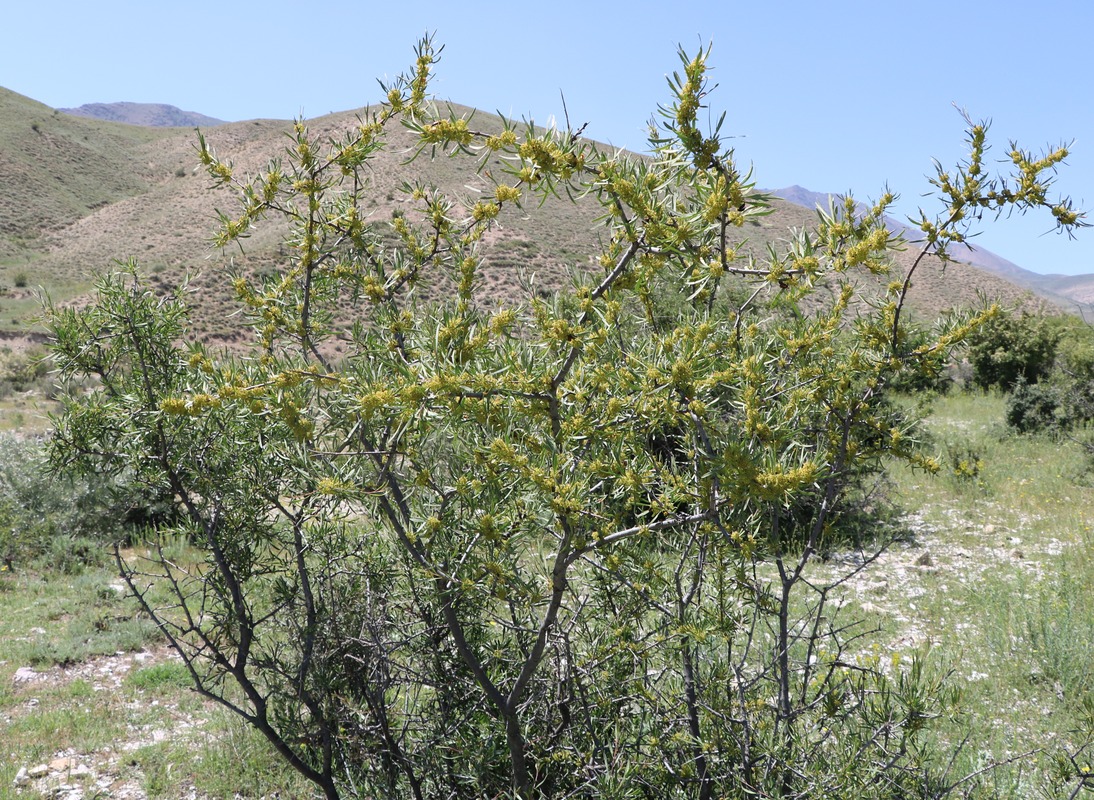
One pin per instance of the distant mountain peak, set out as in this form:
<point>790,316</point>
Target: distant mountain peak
<point>153,115</point>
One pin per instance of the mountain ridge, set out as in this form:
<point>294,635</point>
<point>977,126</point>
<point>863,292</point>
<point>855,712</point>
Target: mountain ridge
<point>152,115</point>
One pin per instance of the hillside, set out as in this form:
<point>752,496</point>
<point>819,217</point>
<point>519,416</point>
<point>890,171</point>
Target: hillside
<point>155,115</point>
<point>56,169</point>
<point>81,193</point>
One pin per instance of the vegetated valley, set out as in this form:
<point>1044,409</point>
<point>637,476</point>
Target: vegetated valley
<point>989,573</point>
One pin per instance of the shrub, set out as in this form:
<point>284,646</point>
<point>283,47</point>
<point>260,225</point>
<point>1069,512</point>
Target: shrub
<point>64,523</point>
<point>457,562</point>
<point>965,462</point>
<point>1012,348</point>
<point>36,512</point>
<point>1034,408</point>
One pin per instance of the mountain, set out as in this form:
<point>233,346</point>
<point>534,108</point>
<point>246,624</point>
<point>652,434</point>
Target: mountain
<point>80,193</point>
<point>154,115</point>
<point>1070,292</point>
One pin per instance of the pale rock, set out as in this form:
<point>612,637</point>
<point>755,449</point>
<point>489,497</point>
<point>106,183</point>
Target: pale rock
<point>39,771</point>
<point>24,675</point>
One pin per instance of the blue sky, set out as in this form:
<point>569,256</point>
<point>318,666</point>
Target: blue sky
<point>834,96</point>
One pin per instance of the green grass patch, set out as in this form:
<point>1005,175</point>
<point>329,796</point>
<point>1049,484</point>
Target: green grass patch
<point>1005,592</point>
<point>227,760</point>
<point>63,619</point>
<point>164,677</point>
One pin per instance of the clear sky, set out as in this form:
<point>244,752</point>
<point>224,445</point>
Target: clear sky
<point>833,95</point>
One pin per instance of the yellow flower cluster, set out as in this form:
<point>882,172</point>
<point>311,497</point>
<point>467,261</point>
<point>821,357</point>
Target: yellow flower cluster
<point>484,210</point>
<point>504,139</point>
<point>445,131</point>
<point>779,482</point>
<point>190,408</point>
<point>507,194</point>
<point>373,401</point>
<point>331,487</point>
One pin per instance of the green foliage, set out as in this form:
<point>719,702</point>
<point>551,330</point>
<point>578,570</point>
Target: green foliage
<point>1045,363</point>
<point>1035,408</point>
<point>1073,371</point>
<point>39,517</point>
<point>66,523</point>
<point>1059,629</point>
<point>556,547</point>
<point>965,462</point>
<point>1075,347</point>
<point>1010,349</point>
<point>931,374</point>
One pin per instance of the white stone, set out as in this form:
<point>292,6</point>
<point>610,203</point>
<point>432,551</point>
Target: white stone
<point>24,675</point>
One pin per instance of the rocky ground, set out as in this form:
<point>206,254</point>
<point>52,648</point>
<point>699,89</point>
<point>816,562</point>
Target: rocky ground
<point>110,772</point>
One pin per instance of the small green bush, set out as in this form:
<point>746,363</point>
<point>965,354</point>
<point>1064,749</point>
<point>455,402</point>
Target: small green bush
<point>1033,408</point>
<point>965,462</point>
<point>23,372</point>
<point>1010,349</point>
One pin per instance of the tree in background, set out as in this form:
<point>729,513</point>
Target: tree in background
<point>548,548</point>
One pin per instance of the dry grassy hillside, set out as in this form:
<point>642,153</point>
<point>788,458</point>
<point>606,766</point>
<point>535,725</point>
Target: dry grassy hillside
<point>55,169</point>
<point>81,193</point>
